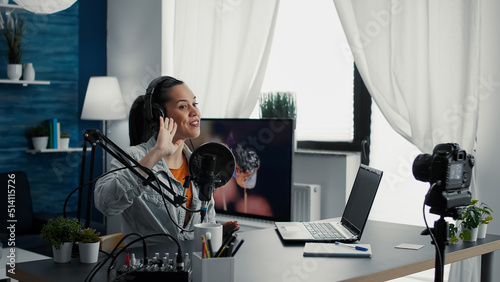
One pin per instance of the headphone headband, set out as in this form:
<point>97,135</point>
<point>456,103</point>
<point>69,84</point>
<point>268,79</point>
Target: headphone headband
<point>150,106</point>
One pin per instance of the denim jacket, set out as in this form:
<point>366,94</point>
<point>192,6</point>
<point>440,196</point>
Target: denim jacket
<point>142,209</point>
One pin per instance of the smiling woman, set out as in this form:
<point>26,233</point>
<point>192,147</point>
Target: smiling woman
<point>169,113</point>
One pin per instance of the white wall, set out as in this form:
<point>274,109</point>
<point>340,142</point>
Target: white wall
<point>334,172</point>
<point>134,55</point>
<point>134,52</point>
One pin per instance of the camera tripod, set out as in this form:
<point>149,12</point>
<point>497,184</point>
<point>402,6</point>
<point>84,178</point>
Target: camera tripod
<point>440,240</point>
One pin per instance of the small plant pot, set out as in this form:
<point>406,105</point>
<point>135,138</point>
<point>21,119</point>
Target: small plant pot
<point>89,252</point>
<point>481,233</point>
<point>40,143</point>
<point>63,255</point>
<point>473,234</point>
<point>64,143</point>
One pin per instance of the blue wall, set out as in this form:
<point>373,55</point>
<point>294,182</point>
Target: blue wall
<point>53,43</point>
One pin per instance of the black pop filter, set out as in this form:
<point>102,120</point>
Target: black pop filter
<point>211,165</point>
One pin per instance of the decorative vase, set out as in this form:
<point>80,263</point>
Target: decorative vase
<point>28,72</point>
<point>89,252</point>
<point>481,233</point>
<point>40,143</point>
<point>64,143</point>
<point>63,255</point>
<point>14,71</point>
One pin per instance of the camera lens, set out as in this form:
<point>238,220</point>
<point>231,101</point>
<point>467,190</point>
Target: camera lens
<point>422,167</point>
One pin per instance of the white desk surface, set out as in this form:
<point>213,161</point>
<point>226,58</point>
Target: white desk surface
<point>20,255</point>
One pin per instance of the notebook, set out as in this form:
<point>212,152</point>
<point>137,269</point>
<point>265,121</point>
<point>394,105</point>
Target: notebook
<point>314,249</point>
<point>353,221</point>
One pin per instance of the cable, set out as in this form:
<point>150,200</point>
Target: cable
<point>85,184</point>
<point>99,265</point>
<point>165,203</point>
<point>143,238</point>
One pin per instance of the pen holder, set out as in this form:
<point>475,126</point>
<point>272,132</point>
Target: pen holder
<point>212,269</point>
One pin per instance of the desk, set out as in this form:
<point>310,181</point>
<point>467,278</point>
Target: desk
<point>263,257</point>
<point>20,256</point>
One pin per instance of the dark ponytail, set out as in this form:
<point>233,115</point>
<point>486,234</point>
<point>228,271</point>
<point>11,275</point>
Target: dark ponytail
<point>138,129</point>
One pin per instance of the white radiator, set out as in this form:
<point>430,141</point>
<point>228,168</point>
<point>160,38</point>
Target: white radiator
<point>306,202</point>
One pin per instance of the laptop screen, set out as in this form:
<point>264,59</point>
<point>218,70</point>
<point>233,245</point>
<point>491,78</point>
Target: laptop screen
<point>361,198</point>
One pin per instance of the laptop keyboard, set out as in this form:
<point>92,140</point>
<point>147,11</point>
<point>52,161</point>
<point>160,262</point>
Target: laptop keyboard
<point>322,230</point>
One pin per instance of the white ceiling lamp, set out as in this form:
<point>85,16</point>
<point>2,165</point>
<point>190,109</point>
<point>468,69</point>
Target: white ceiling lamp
<point>45,6</point>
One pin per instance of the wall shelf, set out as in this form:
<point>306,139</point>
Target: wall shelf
<point>32,151</point>
<point>25,82</point>
<point>9,8</point>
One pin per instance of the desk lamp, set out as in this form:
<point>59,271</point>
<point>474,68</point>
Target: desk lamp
<point>103,101</point>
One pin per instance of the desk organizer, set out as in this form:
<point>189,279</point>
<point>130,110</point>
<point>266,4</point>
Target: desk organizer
<point>212,269</point>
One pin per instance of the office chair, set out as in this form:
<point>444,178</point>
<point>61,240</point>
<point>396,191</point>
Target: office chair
<point>27,227</point>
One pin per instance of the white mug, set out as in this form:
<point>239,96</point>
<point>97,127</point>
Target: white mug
<point>201,229</point>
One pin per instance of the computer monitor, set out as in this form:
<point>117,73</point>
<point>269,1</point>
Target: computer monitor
<point>262,183</point>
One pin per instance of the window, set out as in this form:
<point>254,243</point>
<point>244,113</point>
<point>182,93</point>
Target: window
<point>311,57</point>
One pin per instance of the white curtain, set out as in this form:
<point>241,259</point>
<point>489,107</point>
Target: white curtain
<point>220,48</point>
<point>420,62</point>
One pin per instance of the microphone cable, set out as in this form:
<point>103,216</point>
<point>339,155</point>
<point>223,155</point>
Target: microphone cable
<point>157,180</point>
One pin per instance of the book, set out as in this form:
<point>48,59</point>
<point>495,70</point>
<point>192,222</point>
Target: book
<point>58,134</point>
<point>332,250</point>
<point>55,145</point>
<point>50,143</point>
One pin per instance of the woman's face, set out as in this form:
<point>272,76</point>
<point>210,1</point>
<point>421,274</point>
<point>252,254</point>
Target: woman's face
<point>182,107</point>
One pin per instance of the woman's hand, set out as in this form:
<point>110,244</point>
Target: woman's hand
<point>166,133</point>
<point>228,227</point>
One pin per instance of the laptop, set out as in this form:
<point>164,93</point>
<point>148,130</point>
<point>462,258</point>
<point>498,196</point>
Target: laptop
<point>353,221</point>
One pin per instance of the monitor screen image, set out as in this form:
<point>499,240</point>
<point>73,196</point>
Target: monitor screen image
<point>262,182</point>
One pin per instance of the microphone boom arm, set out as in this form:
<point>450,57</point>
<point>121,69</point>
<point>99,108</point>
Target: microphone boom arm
<point>96,138</point>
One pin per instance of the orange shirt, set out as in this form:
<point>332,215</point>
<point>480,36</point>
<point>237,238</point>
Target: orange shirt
<point>179,174</point>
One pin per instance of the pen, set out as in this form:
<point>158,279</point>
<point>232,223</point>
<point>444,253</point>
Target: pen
<point>238,247</point>
<point>225,245</point>
<point>351,246</point>
<point>207,254</point>
<point>208,237</point>
<point>203,246</point>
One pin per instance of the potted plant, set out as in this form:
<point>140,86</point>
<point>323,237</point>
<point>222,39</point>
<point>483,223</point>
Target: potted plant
<point>277,105</point>
<point>486,217</point>
<point>88,245</point>
<point>64,140</point>
<point>471,218</point>
<point>60,233</point>
<point>39,135</point>
<point>13,34</point>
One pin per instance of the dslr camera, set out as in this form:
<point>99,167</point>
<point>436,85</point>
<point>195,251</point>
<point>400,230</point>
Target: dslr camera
<point>449,171</point>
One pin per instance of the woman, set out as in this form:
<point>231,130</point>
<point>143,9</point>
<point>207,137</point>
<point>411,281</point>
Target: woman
<point>161,121</point>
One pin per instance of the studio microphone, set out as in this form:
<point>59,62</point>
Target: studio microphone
<point>206,178</point>
<point>211,165</point>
